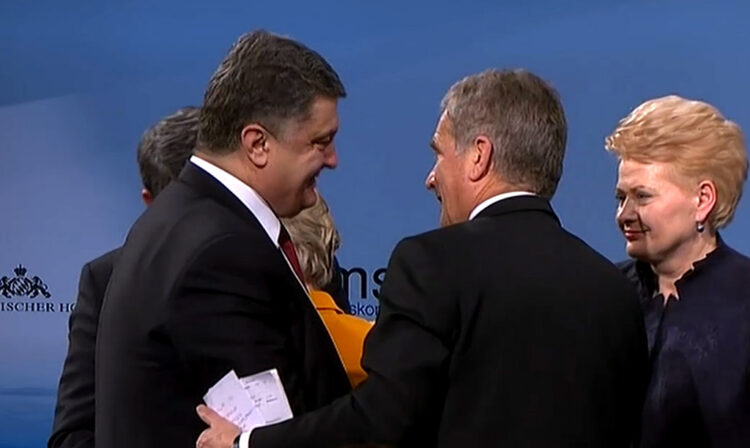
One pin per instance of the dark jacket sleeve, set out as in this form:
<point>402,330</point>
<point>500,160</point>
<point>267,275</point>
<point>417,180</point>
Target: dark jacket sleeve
<point>73,425</point>
<point>405,356</point>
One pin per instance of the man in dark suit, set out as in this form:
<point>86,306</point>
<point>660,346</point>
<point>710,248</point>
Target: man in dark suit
<point>501,328</point>
<point>162,153</point>
<point>207,280</point>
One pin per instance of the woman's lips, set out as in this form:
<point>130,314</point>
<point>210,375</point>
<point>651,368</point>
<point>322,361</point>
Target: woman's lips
<point>632,235</point>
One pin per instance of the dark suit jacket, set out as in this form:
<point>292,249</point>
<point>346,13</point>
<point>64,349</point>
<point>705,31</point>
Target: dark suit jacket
<point>502,331</point>
<point>73,426</point>
<point>200,289</point>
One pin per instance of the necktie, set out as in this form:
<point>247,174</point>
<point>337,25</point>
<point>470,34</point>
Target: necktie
<point>285,243</point>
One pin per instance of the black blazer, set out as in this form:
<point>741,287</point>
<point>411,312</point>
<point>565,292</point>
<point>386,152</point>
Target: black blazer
<point>73,426</point>
<point>200,289</point>
<point>699,346</point>
<point>502,331</point>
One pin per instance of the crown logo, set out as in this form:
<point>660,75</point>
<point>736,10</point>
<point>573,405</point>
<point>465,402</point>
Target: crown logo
<point>20,285</point>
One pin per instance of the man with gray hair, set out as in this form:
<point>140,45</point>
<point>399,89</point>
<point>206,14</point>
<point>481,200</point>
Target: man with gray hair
<point>500,328</point>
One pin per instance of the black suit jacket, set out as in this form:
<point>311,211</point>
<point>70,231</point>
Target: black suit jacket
<point>200,289</point>
<point>73,426</point>
<point>502,331</point>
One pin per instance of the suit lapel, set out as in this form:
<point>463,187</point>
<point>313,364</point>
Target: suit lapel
<point>205,183</point>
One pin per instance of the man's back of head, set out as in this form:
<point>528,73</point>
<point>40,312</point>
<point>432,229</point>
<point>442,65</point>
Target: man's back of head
<point>165,148</point>
<point>523,117</point>
<point>500,131</point>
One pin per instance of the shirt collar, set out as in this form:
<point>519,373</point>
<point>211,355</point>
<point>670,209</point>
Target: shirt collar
<point>249,197</point>
<point>647,277</point>
<point>486,203</point>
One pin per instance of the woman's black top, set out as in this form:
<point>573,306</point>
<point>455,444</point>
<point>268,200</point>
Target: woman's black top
<point>699,346</point>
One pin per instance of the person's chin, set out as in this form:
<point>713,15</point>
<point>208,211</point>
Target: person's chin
<point>635,250</point>
<point>308,198</point>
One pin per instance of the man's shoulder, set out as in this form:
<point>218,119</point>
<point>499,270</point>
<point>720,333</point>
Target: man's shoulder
<point>103,262</point>
<point>100,268</point>
<point>440,234</point>
<point>430,238</point>
<point>192,221</point>
<point>436,244</point>
<point>454,235</point>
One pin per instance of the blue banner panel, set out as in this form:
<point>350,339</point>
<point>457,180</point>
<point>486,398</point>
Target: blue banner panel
<point>81,82</point>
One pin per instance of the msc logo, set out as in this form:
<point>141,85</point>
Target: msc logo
<point>20,285</point>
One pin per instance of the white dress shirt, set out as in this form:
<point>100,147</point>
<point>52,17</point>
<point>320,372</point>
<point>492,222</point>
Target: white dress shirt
<point>252,200</point>
<point>486,203</point>
<point>258,207</point>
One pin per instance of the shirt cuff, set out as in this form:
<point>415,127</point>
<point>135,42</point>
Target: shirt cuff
<point>245,440</point>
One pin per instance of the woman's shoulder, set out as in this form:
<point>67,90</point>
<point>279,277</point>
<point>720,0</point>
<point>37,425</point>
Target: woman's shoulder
<point>736,258</point>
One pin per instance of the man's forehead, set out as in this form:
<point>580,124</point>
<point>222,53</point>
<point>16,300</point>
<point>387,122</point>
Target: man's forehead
<point>445,121</point>
<point>318,121</point>
<point>444,126</point>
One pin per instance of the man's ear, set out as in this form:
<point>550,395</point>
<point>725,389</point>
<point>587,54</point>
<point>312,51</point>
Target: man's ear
<point>480,157</point>
<point>147,197</point>
<point>254,144</point>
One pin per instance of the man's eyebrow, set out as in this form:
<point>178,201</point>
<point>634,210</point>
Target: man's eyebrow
<point>327,135</point>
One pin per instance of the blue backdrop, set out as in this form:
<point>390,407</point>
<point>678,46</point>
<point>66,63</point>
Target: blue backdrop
<point>81,82</point>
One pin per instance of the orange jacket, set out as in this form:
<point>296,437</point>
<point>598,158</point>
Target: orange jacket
<point>348,333</point>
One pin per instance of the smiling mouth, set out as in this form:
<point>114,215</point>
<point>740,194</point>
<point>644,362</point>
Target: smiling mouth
<point>632,234</point>
<point>313,180</point>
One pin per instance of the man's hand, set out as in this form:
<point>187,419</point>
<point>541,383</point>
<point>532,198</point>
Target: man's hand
<point>220,434</point>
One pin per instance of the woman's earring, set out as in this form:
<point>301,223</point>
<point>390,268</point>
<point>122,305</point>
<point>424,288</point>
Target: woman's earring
<point>700,227</point>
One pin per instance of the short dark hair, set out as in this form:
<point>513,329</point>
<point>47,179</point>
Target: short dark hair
<point>165,148</point>
<point>523,117</point>
<point>265,79</point>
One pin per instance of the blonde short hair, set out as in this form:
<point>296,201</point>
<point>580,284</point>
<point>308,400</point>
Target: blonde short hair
<point>692,136</point>
<point>315,240</point>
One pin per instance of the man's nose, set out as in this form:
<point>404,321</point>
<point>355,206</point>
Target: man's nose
<point>429,182</point>
<point>332,158</point>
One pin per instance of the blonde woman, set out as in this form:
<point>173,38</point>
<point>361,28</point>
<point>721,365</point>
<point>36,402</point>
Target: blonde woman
<point>682,167</point>
<point>315,240</point>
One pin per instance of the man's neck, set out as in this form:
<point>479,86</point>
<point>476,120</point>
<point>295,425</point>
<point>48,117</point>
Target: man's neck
<point>225,162</point>
<point>231,164</point>
<point>490,191</point>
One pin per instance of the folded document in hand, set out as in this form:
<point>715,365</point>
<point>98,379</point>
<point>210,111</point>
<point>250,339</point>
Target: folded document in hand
<point>250,402</point>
